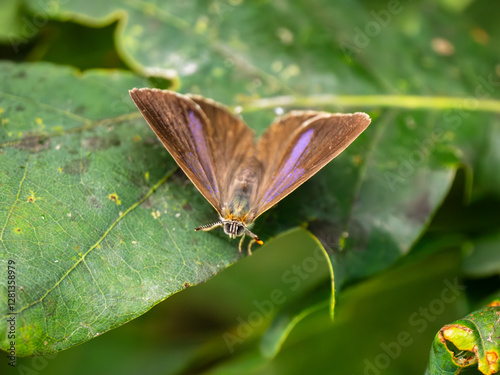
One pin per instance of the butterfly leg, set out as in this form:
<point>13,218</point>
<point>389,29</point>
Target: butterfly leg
<point>241,242</point>
<point>252,241</point>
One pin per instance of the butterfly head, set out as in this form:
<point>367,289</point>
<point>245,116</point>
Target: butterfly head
<point>233,228</point>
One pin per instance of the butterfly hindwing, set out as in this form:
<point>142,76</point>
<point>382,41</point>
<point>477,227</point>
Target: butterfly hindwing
<point>234,153</point>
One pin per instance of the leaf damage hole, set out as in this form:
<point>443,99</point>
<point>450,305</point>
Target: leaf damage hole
<point>462,358</point>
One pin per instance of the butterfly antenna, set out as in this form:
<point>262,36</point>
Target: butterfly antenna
<point>208,227</point>
<point>254,236</point>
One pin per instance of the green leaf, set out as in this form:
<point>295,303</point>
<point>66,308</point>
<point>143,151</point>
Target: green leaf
<point>382,325</point>
<point>297,310</point>
<point>483,259</point>
<point>469,343</point>
<point>11,25</point>
<point>289,317</point>
<point>92,211</point>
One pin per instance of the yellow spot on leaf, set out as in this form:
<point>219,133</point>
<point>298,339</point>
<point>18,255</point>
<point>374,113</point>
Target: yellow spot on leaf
<point>39,121</point>
<point>32,198</point>
<point>114,198</point>
<point>136,138</point>
<point>480,35</point>
<point>442,46</point>
<point>2,110</point>
<point>98,246</point>
<point>146,176</point>
<point>9,134</point>
<point>218,72</point>
<point>357,160</point>
<point>59,169</point>
<point>5,121</point>
<point>277,66</point>
<point>201,25</point>
<point>17,230</point>
<point>156,214</point>
<point>290,71</point>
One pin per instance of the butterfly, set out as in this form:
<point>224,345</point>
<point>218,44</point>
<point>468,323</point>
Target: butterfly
<point>242,178</point>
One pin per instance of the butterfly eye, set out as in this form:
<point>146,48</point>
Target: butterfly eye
<point>227,228</point>
<point>240,230</point>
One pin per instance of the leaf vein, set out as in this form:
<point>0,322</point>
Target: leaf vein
<point>17,198</point>
<point>82,258</point>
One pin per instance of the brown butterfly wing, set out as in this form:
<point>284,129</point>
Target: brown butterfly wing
<point>203,137</point>
<point>185,131</point>
<point>234,153</point>
<point>297,156</point>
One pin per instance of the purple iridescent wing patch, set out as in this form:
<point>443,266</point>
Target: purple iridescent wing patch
<point>291,171</point>
<point>200,163</point>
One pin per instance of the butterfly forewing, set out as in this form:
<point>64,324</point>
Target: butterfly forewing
<point>309,148</point>
<point>234,153</point>
<point>185,132</point>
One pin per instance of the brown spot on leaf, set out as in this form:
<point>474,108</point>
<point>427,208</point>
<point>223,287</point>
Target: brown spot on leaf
<point>419,209</point>
<point>33,143</point>
<point>79,110</point>
<point>94,202</point>
<point>186,285</point>
<point>187,207</point>
<point>99,143</point>
<point>114,197</point>
<point>492,358</point>
<point>150,140</point>
<point>77,166</point>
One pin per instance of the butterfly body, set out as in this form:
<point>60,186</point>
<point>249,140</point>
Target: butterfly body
<point>242,178</point>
